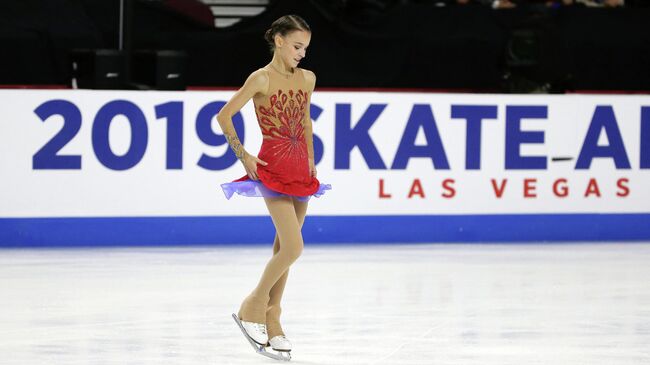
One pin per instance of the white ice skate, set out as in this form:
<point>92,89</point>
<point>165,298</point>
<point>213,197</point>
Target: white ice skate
<point>260,341</point>
<point>280,343</point>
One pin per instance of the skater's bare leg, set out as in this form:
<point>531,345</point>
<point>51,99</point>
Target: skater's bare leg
<point>274,309</point>
<point>287,226</point>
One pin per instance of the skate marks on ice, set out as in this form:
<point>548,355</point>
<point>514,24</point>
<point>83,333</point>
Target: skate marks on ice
<point>410,304</point>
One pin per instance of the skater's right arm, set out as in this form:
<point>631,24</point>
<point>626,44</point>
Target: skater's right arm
<point>257,82</point>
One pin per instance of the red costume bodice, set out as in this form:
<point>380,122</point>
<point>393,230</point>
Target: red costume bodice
<point>281,117</point>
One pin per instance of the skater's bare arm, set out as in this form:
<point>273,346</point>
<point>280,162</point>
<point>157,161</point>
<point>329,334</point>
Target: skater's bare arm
<point>309,136</point>
<point>257,82</point>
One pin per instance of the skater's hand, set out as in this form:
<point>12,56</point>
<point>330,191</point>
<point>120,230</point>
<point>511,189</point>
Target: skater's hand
<point>250,164</point>
<point>312,168</point>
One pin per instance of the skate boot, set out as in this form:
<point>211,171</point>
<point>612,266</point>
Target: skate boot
<point>259,330</point>
<point>256,331</point>
<point>253,308</point>
<point>280,343</point>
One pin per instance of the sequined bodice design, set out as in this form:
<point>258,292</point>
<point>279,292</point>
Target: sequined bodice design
<point>281,117</point>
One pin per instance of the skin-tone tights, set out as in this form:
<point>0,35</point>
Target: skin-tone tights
<point>262,305</point>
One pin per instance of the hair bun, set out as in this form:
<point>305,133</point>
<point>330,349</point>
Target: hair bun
<point>283,26</point>
<point>268,35</point>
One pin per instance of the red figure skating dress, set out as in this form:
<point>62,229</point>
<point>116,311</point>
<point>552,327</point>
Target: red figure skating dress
<point>281,117</point>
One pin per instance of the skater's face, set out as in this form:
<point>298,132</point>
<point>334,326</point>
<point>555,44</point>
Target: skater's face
<point>292,48</point>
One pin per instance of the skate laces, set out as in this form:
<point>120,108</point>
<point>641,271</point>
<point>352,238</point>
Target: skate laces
<point>261,327</point>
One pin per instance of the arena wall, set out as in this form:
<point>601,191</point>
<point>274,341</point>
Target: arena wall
<point>82,167</point>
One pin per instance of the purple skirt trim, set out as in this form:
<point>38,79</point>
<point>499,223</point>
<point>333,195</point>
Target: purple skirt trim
<point>255,188</point>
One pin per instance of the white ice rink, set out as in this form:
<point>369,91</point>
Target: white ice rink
<point>409,304</point>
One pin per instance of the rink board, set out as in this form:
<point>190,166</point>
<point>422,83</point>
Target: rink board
<point>84,167</point>
<point>179,231</point>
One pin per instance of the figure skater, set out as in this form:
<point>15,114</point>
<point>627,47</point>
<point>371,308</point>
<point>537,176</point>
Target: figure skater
<point>283,173</point>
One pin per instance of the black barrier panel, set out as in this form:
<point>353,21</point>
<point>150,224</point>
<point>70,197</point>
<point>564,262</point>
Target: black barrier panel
<point>357,44</point>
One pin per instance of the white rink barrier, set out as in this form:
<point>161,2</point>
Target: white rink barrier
<point>90,167</point>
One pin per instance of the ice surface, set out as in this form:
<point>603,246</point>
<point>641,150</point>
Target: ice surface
<point>369,304</point>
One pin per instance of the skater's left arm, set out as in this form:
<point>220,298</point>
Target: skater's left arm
<point>309,136</point>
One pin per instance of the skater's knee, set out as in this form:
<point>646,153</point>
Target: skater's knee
<point>295,252</point>
<point>292,252</point>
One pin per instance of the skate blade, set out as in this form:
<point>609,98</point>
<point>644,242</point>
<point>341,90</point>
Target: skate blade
<point>260,349</point>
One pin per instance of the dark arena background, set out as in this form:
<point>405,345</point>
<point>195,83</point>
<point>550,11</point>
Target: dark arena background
<point>489,163</point>
<point>535,46</point>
